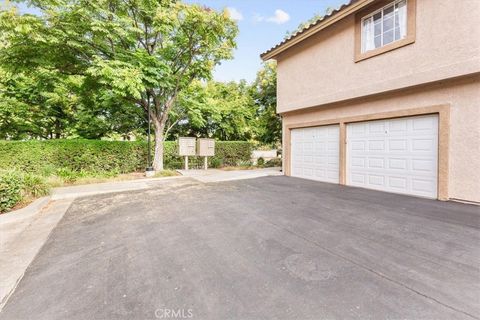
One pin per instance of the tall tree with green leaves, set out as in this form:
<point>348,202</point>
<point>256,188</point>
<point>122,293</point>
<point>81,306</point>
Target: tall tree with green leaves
<point>224,111</point>
<point>264,93</point>
<point>143,52</point>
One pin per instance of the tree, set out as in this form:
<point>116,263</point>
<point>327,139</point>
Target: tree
<point>39,106</point>
<point>143,52</point>
<point>218,110</point>
<point>264,93</point>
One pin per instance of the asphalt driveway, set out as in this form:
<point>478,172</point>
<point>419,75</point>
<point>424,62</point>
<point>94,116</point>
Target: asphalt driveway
<point>266,248</point>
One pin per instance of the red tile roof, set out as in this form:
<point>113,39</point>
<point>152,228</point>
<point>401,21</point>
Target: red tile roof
<point>296,34</point>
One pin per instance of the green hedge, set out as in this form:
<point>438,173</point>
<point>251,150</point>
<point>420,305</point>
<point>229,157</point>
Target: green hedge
<point>53,156</point>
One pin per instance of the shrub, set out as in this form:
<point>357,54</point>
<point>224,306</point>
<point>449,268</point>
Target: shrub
<point>215,163</point>
<point>46,157</point>
<point>34,186</point>
<point>16,187</point>
<point>231,152</point>
<point>260,161</point>
<point>276,162</point>
<point>73,159</point>
<point>243,163</point>
<point>10,189</point>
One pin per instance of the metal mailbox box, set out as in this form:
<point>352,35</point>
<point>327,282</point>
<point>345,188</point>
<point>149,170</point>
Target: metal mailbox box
<point>206,147</point>
<point>186,146</point>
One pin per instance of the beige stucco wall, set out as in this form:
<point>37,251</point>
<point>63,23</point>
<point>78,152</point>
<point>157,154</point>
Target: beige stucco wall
<point>321,69</point>
<point>463,96</point>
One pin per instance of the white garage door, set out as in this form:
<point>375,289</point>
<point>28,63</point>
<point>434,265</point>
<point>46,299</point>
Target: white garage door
<point>396,155</point>
<point>315,153</point>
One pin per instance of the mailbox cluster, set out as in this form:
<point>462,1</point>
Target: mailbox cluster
<point>196,147</point>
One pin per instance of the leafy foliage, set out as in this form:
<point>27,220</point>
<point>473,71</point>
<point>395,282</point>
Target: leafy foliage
<point>70,159</point>
<point>10,190</point>
<point>140,53</point>
<point>224,111</point>
<point>264,93</point>
<point>16,187</point>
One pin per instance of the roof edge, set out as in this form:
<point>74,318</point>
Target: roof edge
<point>344,11</point>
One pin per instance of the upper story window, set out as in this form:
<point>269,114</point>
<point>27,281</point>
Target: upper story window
<point>384,26</point>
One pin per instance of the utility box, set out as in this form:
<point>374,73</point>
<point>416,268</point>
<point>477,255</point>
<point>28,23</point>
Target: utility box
<point>206,147</point>
<point>186,146</point>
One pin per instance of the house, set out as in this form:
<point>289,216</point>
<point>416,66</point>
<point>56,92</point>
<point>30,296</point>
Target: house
<point>385,95</point>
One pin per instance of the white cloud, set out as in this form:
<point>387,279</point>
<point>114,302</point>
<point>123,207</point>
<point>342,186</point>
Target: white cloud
<point>258,18</point>
<point>280,17</point>
<point>234,14</point>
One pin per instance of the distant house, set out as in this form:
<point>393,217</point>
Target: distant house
<point>385,95</point>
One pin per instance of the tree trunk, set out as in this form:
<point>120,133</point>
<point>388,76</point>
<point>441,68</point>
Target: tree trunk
<point>158,155</point>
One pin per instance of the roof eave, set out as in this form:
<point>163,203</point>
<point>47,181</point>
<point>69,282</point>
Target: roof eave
<point>350,9</point>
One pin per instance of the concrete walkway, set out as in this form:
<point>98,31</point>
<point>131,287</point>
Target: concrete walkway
<point>216,175</point>
<point>23,232</point>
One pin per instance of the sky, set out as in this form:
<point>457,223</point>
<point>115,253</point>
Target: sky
<point>262,24</point>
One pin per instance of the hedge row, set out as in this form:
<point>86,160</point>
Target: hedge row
<point>46,157</point>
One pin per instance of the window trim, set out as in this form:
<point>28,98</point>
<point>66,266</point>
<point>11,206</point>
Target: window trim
<point>368,12</point>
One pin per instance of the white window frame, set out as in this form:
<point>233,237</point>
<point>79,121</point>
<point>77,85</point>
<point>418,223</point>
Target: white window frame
<point>370,16</point>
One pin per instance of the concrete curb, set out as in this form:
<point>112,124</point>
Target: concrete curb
<point>72,192</point>
<point>25,212</point>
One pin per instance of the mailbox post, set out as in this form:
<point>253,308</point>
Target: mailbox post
<point>206,148</point>
<point>186,148</point>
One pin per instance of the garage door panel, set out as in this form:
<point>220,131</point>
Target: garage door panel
<point>397,126</point>
<point>397,164</point>
<point>358,162</point>
<point>397,145</point>
<point>358,179</point>
<point>426,124</point>
<point>315,153</point>
<point>358,145</point>
<point>403,158</point>
<point>376,128</point>
<point>376,145</point>
<point>376,180</point>
<point>423,145</point>
<point>376,163</point>
<point>422,165</point>
<point>399,183</point>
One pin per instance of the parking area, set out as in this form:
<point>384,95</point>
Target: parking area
<point>264,248</point>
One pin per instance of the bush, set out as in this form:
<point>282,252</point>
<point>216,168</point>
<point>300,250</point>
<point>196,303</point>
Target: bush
<point>244,163</point>
<point>34,186</point>
<point>16,187</point>
<point>276,162</point>
<point>231,152</point>
<point>260,161</point>
<point>72,159</point>
<point>10,190</point>
<point>215,163</point>
<point>46,157</point>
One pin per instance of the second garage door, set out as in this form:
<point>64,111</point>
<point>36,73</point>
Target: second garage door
<point>315,153</point>
<point>395,155</point>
